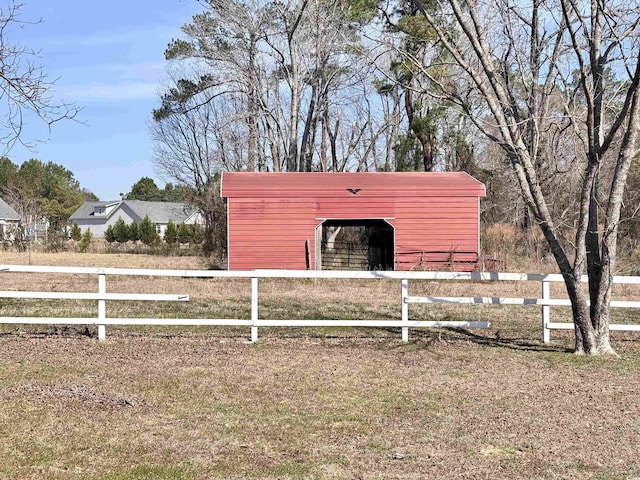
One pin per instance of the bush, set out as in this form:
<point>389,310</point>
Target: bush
<point>197,234</point>
<point>109,234</point>
<point>56,241</point>
<point>85,241</point>
<point>76,232</point>
<point>184,233</point>
<point>121,231</point>
<point>148,234</point>
<point>171,234</point>
<point>134,232</point>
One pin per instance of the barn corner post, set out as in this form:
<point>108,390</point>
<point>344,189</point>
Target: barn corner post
<point>102,305</point>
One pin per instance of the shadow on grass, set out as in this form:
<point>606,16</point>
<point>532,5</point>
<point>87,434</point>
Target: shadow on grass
<point>460,334</point>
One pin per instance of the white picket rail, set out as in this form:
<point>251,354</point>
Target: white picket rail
<point>101,320</point>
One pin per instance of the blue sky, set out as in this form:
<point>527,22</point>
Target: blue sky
<point>108,57</point>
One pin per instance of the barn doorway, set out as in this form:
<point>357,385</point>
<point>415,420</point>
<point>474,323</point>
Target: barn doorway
<point>362,244</point>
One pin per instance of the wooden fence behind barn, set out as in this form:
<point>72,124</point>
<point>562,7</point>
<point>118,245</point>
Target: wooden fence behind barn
<point>544,302</point>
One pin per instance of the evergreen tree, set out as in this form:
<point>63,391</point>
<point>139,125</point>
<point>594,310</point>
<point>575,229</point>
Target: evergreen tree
<point>144,189</point>
<point>76,232</point>
<point>85,241</point>
<point>109,235</point>
<point>197,234</point>
<point>134,232</point>
<point>121,231</point>
<point>184,233</point>
<point>147,230</point>
<point>171,233</point>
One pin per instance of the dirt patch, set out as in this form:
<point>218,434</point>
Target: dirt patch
<point>79,393</point>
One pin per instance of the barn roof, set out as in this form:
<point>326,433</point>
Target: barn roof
<point>362,184</point>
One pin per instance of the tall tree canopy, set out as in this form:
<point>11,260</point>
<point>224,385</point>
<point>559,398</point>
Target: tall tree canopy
<point>39,191</point>
<point>146,189</point>
<point>267,86</point>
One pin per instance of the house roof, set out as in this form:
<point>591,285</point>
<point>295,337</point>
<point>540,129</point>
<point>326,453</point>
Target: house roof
<point>85,211</point>
<point>158,212</point>
<point>8,213</point>
<point>343,184</point>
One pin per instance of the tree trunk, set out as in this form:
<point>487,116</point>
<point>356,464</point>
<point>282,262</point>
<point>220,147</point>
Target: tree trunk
<point>293,158</point>
<point>427,140</point>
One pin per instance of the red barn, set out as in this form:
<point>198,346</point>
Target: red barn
<point>382,220</point>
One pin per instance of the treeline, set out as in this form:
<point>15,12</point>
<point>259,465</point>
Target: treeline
<point>42,193</point>
<point>147,190</point>
<point>45,194</point>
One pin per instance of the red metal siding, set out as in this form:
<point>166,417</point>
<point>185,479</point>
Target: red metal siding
<point>272,215</point>
<point>270,233</point>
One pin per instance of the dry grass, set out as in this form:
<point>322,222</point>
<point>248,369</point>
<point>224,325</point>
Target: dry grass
<point>340,403</point>
<point>120,260</point>
<point>204,407</point>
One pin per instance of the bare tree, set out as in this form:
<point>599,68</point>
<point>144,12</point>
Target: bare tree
<point>289,77</point>
<point>512,65</point>
<point>28,206</point>
<point>25,89</point>
<point>191,147</point>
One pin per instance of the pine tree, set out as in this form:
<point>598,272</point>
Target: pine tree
<point>85,241</point>
<point>121,231</point>
<point>171,233</point>
<point>134,232</point>
<point>184,233</point>
<point>76,232</point>
<point>109,235</point>
<point>147,230</point>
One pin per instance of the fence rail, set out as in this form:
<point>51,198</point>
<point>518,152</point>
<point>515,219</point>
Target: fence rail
<point>101,319</point>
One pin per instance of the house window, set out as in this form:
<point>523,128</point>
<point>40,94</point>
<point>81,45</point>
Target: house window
<point>158,229</point>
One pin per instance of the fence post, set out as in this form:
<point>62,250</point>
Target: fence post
<point>254,309</point>
<point>546,309</point>
<point>102,306</point>
<point>405,309</point>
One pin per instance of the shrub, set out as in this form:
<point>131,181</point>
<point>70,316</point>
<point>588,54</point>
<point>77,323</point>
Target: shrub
<point>148,234</point>
<point>109,234</point>
<point>121,231</point>
<point>134,232</point>
<point>76,232</point>
<point>56,240</point>
<point>184,233</point>
<point>171,233</point>
<point>197,234</point>
<point>85,241</point>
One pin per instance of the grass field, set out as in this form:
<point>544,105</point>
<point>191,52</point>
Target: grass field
<point>335,403</point>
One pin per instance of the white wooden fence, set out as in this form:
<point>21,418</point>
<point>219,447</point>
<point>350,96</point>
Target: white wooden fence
<point>101,319</point>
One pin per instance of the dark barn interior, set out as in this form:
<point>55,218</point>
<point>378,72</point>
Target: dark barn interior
<point>357,244</point>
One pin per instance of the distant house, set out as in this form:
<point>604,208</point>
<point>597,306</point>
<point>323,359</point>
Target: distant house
<point>97,216</point>
<point>8,218</point>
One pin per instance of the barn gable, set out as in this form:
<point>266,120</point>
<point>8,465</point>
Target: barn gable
<point>409,219</point>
